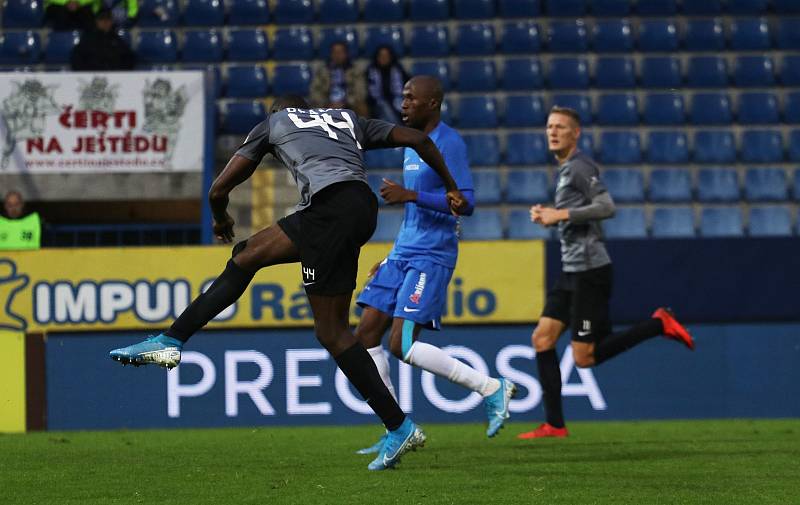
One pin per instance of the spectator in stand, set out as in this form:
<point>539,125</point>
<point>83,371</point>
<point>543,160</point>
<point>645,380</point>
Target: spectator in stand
<point>338,83</point>
<point>67,15</point>
<point>125,12</point>
<point>18,230</point>
<point>102,48</point>
<point>385,80</point>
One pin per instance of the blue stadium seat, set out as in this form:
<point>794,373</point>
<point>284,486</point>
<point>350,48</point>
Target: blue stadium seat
<point>786,6</point>
<point>247,45</point>
<point>437,68</point>
<point>754,71</point>
<point>22,14</point>
<point>58,49</point>
<point>526,149</point>
<point>19,48</point>
<point>707,72</point>
<point>477,112</point>
<point>714,146</point>
<point>586,142</point>
<point>476,75</point>
<point>445,112</point>
<point>661,109</point>
<point>473,9</point>
<point>568,73</point>
<point>796,185</point>
<point>158,13</point>
<point>522,74</point>
<point>248,12</point>
<point>613,36</point>
<point>520,226</point>
<point>794,151</point>
<point>524,111</point>
<point>615,72</point>
<point>293,79</point>
<point>658,35</point>
<point>384,158</point>
<point>528,186</point>
<point>571,8</point>
<point>788,36</point>
<point>384,35</point>
<point>293,11</point>
<point>746,6</point>
<point>568,37</point>
<point>159,46</point>
<point>429,41</point>
<point>204,13</point>
<point>721,222</point>
<point>661,72</point>
<point>762,146</point>
<point>765,185</point>
<point>578,102</point>
<point>384,10</point>
<point>475,39</point>
<point>388,226</point>
<point>790,70</point>
<point>750,34</point>
<point>627,223</point>
<point>346,34</point>
<point>214,77</point>
<point>520,37</point>
<point>429,10</point>
<point>657,7</point>
<point>619,109</point>
<point>770,222</point>
<point>241,117</point>
<point>673,222</point>
<point>711,109</point>
<point>485,224</point>
<point>704,34</point>
<point>670,185</point>
<point>667,147</point>
<point>519,8</point>
<point>338,11</point>
<point>483,149</point>
<point>758,108</point>
<point>611,7</point>
<point>702,8</point>
<point>791,107</point>
<point>295,43</point>
<point>202,46</point>
<point>626,185</point>
<point>620,147</point>
<point>247,81</point>
<point>487,187</point>
<point>718,185</point>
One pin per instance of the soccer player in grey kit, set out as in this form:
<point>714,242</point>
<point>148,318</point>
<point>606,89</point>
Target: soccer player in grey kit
<point>579,299</point>
<point>337,213</point>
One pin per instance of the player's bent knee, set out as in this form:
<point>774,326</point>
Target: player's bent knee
<point>239,247</point>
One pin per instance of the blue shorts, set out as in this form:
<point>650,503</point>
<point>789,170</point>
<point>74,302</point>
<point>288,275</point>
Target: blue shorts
<point>412,290</point>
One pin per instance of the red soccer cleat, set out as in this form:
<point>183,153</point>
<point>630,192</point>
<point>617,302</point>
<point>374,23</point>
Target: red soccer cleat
<point>672,328</point>
<point>544,430</point>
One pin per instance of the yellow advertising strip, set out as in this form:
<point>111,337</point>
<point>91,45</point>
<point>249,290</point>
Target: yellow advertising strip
<point>146,288</point>
<point>12,382</point>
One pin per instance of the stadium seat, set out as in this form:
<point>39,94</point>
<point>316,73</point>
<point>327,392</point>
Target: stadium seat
<point>758,108</point>
<point>384,158</point>
<point>617,8</point>
<point>487,187</point>
<point>483,149</point>
<point>626,185</point>
<point>754,71</point>
<point>159,46</point>
<point>519,8</point>
<point>707,72</point>
<point>528,186</point>
<point>750,34</point>
<point>702,8</point>
<point>520,37</point>
<point>670,185</point>
<point>437,68</point>
<point>718,185</point>
<point>663,109</point>
<point>429,10</point>
<point>788,36</point>
<point>615,72</point>
<point>620,147</point>
<point>376,11</point>
<point>477,112</point>
<point>613,36</point>
<point>581,103</point>
<point>673,222</point>
<point>619,109</point>
<point>711,109</point>
<point>796,185</point>
<point>704,34</point>
<point>475,40</point>
<point>201,46</point>
<point>661,72</point>
<point>384,35</point>
<point>786,6</point>
<point>293,11</point>
<point>247,81</point>
<point>293,79</point>
<point>714,146</point>
<point>241,117</point>
<point>338,11</point>
<point>520,226</point>
<point>765,185</point>
<point>794,150</point>
<point>158,13</point>
<point>474,9</point>
<point>721,222</point>
<point>770,222</point>
<point>526,149</point>
<point>204,13</point>
<point>790,70</point>
<point>568,73</point>
<point>247,45</point>
<point>657,7</point>
<point>627,223</point>
<point>571,8</point>
<point>346,34</point>
<point>19,48</point>
<point>586,142</point>
<point>293,43</point>
<point>429,41</point>
<point>22,14</point>
<point>762,146</point>
<point>248,12</point>
<point>658,35</point>
<point>58,49</point>
<point>476,75</point>
<point>568,37</point>
<point>215,76</point>
<point>388,226</point>
<point>522,74</point>
<point>446,112</point>
<point>484,224</point>
<point>524,111</point>
<point>791,107</point>
<point>667,147</point>
<point>746,6</point>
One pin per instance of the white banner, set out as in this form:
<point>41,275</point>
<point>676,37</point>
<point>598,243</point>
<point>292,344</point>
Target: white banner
<point>101,122</point>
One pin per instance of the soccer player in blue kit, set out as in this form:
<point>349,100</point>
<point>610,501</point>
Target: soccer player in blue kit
<point>408,289</point>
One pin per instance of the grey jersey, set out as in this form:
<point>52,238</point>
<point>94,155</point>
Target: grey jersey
<point>582,246</point>
<point>320,147</point>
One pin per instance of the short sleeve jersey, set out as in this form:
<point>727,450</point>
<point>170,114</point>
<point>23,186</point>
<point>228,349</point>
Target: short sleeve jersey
<point>319,147</point>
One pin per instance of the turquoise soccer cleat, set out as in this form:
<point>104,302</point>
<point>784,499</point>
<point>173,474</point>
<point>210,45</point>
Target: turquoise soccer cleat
<point>160,350</point>
<point>497,406</point>
<point>406,438</point>
<point>375,447</point>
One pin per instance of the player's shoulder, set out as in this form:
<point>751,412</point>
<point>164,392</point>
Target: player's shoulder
<point>448,136</point>
<point>581,162</point>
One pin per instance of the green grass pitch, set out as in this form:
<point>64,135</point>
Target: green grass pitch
<point>642,463</point>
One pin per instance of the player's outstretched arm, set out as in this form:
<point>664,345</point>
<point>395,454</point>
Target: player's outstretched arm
<point>238,170</point>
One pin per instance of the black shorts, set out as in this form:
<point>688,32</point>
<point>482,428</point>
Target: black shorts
<point>329,234</point>
<point>580,301</point>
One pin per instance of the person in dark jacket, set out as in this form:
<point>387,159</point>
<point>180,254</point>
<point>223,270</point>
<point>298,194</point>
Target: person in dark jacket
<point>102,48</point>
<point>385,80</point>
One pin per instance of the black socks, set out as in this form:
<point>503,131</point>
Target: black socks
<point>550,379</point>
<point>612,345</point>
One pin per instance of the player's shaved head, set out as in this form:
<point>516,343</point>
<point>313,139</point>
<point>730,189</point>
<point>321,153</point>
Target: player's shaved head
<point>427,87</point>
<point>422,102</point>
<point>285,101</point>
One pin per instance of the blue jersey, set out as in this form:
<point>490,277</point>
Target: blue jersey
<point>427,234</point>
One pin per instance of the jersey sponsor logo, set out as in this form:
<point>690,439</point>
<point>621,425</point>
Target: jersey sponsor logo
<point>412,166</point>
<point>419,288</point>
<point>562,181</point>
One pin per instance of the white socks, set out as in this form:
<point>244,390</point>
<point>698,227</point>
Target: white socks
<point>438,362</point>
<point>382,363</point>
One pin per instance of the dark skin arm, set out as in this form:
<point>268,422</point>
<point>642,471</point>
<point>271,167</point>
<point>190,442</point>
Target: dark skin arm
<point>238,170</point>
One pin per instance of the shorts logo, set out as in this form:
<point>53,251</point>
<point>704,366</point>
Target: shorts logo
<point>586,328</point>
<point>308,276</point>
<point>418,288</point>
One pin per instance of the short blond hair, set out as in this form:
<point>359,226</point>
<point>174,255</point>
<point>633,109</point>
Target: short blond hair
<point>567,111</point>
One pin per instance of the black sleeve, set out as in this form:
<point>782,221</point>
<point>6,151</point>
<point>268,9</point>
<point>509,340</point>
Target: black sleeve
<point>256,145</point>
